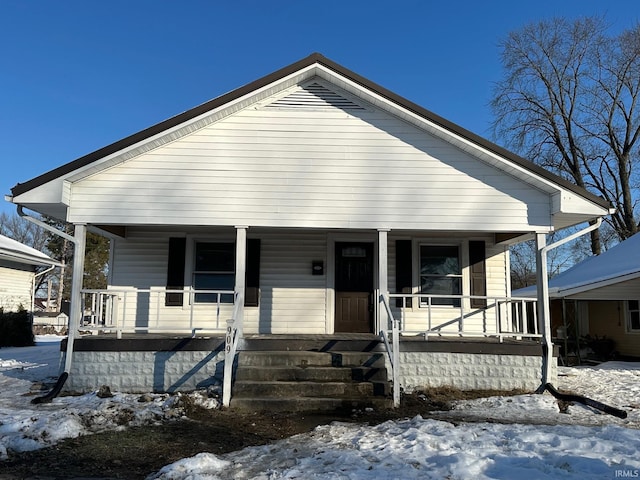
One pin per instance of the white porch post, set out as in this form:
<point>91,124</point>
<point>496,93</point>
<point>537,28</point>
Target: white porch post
<point>544,312</point>
<point>235,323</point>
<point>383,279</point>
<point>75,309</point>
<point>241,268</point>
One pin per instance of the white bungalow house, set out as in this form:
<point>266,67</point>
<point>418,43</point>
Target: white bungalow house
<point>310,208</point>
<point>599,298</point>
<point>18,270</point>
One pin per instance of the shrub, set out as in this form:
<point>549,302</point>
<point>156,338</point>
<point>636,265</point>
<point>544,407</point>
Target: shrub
<point>15,329</point>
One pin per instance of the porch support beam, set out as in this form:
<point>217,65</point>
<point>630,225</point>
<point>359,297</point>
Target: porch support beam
<point>235,325</point>
<point>383,278</point>
<point>544,312</point>
<point>75,309</point>
<point>241,269</point>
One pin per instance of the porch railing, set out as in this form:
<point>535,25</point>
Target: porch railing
<point>438,315</point>
<point>143,310</point>
<point>418,314</point>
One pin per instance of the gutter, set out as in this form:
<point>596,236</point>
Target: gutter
<point>79,242</point>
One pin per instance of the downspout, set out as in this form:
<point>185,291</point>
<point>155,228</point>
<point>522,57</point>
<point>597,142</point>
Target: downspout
<point>544,309</point>
<point>547,346</point>
<point>79,242</point>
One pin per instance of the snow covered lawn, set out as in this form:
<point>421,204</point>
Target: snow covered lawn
<point>533,439</point>
<point>422,449</point>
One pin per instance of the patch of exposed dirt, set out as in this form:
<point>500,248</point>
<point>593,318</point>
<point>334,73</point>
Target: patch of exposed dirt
<point>137,452</point>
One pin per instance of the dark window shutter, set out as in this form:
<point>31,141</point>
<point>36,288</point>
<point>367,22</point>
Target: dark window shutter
<point>252,277</point>
<point>404,263</point>
<point>175,271</point>
<point>478,273</point>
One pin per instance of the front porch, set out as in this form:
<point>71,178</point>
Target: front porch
<point>310,370</point>
<point>127,345</point>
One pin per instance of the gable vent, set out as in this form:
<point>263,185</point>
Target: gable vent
<point>315,96</point>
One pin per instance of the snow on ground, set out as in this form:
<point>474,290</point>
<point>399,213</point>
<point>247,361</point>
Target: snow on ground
<point>422,449</point>
<point>25,426</point>
<point>613,383</point>
<point>533,439</point>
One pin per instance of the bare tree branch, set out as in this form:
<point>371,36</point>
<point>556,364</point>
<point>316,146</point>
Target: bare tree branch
<point>569,101</point>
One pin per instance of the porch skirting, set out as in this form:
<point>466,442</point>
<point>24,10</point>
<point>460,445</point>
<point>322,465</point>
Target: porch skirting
<point>143,365</point>
<point>139,365</point>
<point>482,364</point>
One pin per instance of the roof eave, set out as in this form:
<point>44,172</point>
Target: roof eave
<point>576,289</point>
<point>27,259</point>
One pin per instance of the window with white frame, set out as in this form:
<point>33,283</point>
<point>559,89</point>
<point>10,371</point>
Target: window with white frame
<point>633,310</point>
<point>214,269</point>
<point>440,274</point>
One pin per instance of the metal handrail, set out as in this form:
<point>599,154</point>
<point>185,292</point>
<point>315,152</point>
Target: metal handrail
<point>394,352</point>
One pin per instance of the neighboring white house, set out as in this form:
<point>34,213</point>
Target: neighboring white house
<point>600,297</point>
<point>18,269</point>
<point>310,201</point>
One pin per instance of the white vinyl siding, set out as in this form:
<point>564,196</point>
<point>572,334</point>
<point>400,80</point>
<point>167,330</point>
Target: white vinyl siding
<point>321,168</point>
<point>16,283</point>
<point>292,299</point>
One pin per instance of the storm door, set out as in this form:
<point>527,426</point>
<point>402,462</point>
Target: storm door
<point>354,287</point>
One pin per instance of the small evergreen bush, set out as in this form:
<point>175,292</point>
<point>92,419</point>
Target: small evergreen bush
<point>15,329</point>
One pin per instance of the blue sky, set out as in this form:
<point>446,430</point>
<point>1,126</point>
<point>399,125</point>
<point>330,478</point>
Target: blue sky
<point>79,75</point>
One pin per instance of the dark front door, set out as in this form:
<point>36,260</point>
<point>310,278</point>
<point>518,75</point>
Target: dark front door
<point>354,287</point>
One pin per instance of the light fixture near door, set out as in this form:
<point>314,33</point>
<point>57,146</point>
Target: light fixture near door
<point>317,267</point>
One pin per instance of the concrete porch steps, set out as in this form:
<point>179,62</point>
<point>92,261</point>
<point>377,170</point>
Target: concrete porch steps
<point>314,374</point>
<point>274,358</point>
<point>310,381</point>
<point>309,404</point>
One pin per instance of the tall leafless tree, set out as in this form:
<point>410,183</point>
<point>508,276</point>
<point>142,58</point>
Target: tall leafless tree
<point>569,101</point>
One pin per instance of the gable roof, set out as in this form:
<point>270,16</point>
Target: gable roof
<point>309,61</point>
<point>15,251</point>
<point>618,264</point>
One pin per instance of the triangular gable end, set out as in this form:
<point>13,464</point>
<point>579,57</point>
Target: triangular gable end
<point>308,92</point>
<point>314,82</point>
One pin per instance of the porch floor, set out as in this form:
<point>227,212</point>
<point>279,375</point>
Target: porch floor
<point>307,342</point>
